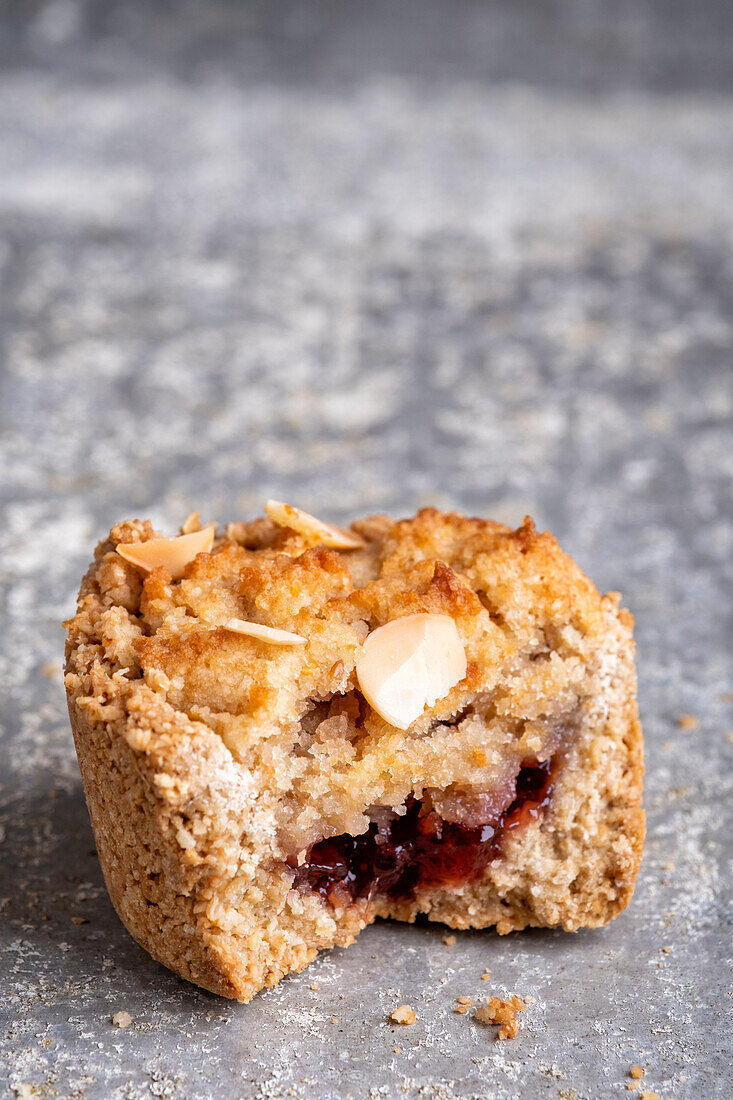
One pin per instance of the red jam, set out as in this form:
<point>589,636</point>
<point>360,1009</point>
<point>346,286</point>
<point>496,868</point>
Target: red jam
<point>420,849</point>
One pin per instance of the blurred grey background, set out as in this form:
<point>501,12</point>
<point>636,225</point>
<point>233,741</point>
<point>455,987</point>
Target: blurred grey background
<point>364,257</point>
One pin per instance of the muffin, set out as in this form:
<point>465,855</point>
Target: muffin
<point>289,729</point>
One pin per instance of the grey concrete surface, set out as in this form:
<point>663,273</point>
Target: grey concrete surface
<point>363,258</point>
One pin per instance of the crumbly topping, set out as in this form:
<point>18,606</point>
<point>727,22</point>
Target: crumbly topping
<point>403,1014</point>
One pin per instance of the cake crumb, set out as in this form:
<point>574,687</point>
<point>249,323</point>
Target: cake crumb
<point>486,975</point>
<point>502,1011</point>
<point>403,1014</point>
<point>337,670</point>
<point>50,669</point>
<point>632,1086</point>
<point>668,865</point>
<point>80,920</point>
<point>462,1005</point>
<point>647,1094</point>
<point>636,1072</point>
<point>449,940</point>
<point>122,1019</point>
<point>666,950</point>
<point>398,1050</point>
<point>315,986</point>
<point>334,1019</point>
<point>688,722</point>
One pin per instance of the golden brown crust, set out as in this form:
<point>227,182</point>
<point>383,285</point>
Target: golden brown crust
<point>208,758</point>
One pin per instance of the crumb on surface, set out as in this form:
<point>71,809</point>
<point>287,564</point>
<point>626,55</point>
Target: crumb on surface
<point>449,940</point>
<point>636,1072</point>
<point>122,1019</point>
<point>462,1005</point>
<point>502,1011</point>
<point>403,1014</point>
<point>80,920</point>
<point>334,1019</point>
<point>50,669</point>
<point>668,865</point>
<point>398,1050</point>
<point>666,950</point>
<point>647,1094</point>
<point>632,1086</point>
<point>314,986</point>
<point>486,975</point>
<point>688,722</point>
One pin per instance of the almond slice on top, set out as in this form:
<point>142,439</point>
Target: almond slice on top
<point>172,554</point>
<point>191,523</point>
<point>270,634</point>
<point>286,515</point>
<point>409,664</point>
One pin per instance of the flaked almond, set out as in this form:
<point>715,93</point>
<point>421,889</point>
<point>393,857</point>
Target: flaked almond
<point>286,515</point>
<point>191,523</point>
<point>270,634</point>
<point>409,664</point>
<point>173,554</point>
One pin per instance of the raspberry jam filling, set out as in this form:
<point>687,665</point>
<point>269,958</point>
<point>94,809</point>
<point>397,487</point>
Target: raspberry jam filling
<point>419,849</point>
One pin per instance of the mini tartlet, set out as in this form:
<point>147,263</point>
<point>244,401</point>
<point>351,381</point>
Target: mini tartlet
<point>289,729</point>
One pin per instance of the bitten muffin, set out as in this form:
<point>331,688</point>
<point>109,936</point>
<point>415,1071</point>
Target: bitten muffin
<point>288,729</point>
